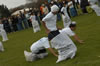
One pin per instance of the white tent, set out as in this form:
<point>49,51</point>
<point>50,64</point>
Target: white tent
<point>22,10</point>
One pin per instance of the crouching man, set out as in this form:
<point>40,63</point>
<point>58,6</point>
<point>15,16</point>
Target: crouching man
<point>38,50</point>
<point>65,46</point>
<point>70,32</point>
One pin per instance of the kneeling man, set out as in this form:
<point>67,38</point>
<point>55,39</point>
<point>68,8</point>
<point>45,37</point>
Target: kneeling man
<point>38,50</point>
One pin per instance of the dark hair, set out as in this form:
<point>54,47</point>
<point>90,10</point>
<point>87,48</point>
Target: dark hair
<point>72,25</point>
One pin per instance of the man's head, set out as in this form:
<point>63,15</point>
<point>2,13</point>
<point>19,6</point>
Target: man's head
<point>73,25</point>
<point>54,9</point>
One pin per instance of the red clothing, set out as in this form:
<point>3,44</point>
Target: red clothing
<point>41,9</point>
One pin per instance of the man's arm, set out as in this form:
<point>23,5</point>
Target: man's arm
<point>78,39</point>
<point>53,52</point>
<point>47,30</point>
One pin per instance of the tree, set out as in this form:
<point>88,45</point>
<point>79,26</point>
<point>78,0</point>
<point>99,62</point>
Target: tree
<point>4,11</point>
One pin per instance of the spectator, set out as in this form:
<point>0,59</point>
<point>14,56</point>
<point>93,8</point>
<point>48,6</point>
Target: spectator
<point>24,19</point>
<point>45,10</point>
<point>36,12</point>
<point>19,23</point>
<point>35,24</point>
<point>41,11</point>
<point>27,15</point>
<point>84,4</point>
<point>65,17</point>
<point>10,23</point>
<point>14,23</point>
<point>6,25</point>
<point>71,8</point>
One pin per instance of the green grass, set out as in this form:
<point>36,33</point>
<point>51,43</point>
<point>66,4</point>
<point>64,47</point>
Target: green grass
<point>88,28</point>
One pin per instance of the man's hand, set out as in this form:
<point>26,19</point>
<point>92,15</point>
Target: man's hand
<point>78,39</point>
<point>56,55</point>
<point>81,41</point>
<point>53,52</point>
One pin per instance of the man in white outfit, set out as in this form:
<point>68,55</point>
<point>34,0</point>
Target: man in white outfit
<point>38,50</point>
<point>66,18</point>
<point>70,31</point>
<point>3,33</point>
<point>49,22</point>
<point>35,24</point>
<point>65,46</point>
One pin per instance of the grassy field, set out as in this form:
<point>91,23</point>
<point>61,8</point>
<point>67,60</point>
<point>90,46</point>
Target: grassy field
<point>88,54</point>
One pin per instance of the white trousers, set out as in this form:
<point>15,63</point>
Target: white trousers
<point>4,35</point>
<point>66,21</point>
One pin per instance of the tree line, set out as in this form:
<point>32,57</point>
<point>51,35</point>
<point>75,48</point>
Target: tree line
<point>4,11</point>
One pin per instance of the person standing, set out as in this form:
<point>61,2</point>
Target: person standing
<point>14,23</point>
<point>19,23</point>
<point>24,19</point>
<point>66,18</point>
<point>35,24</point>
<point>6,24</point>
<point>84,4</point>
<point>72,9</point>
<point>49,22</point>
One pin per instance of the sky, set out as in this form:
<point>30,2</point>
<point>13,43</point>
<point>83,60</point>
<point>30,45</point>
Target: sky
<point>12,3</point>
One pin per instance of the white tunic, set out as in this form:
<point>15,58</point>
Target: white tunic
<point>50,20</point>
<point>66,18</point>
<point>65,46</point>
<point>35,24</point>
<point>67,31</point>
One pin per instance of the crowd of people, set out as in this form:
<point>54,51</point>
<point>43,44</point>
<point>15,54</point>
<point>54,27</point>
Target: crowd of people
<point>22,20</point>
<point>48,14</point>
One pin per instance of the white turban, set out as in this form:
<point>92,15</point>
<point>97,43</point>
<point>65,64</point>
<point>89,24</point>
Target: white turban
<point>73,22</point>
<point>54,8</point>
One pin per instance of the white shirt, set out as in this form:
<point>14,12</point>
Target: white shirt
<point>27,15</point>
<point>58,41</point>
<point>42,43</point>
<point>1,26</point>
<point>69,3</point>
<point>67,31</point>
<point>45,10</point>
<point>64,10</point>
<point>50,20</point>
<point>33,18</point>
